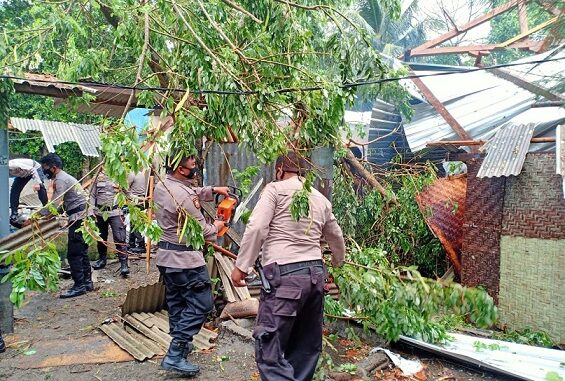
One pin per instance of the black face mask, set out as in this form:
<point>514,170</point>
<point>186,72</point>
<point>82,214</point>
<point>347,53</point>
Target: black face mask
<point>49,173</point>
<point>192,173</point>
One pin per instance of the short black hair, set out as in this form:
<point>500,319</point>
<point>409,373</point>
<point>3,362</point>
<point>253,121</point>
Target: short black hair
<point>170,167</point>
<point>52,160</point>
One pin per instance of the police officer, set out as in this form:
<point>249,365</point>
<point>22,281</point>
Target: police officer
<point>24,170</point>
<point>188,290</point>
<point>68,196</point>
<point>137,187</point>
<point>108,214</point>
<point>288,334</point>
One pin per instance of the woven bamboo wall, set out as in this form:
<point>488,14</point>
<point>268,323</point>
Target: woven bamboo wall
<point>532,249</point>
<point>532,285</point>
<point>480,255</point>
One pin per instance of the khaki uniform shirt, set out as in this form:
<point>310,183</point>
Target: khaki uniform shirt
<point>170,196</point>
<point>68,195</point>
<point>102,197</point>
<point>137,183</point>
<point>283,240</point>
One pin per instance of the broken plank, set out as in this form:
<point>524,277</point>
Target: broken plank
<point>228,266</point>
<point>226,281</point>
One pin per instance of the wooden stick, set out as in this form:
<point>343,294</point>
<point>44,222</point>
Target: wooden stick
<point>150,217</point>
<point>220,249</point>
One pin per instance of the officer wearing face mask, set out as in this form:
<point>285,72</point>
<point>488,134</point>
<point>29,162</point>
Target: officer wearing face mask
<point>188,290</point>
<point>69,197</point>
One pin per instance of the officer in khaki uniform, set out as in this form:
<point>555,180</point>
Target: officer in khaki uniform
<point>188,290</point>
<point>108,214</point>
<point>288,334</point>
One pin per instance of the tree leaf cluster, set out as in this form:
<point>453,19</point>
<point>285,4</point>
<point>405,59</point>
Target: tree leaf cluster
<point>32,269</point>
<point>397,300</point>
<point>399,230</point>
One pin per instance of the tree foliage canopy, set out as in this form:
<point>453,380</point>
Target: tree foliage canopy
<point>263,54</point>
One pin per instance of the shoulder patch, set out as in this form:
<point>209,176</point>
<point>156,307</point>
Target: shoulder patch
<point>196,202</point>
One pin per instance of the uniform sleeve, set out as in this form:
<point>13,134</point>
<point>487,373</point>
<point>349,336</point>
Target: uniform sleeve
<point>334,237</point>
<point>205,193</point>
<point>36,176</point>
<point>61,187</point>
<point>209,230</point>
<point>257,230</point>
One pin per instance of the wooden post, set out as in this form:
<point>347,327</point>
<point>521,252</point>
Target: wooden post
<point>150,218</point>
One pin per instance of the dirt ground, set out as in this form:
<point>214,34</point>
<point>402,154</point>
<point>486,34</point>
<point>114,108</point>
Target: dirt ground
<point>50,331</point>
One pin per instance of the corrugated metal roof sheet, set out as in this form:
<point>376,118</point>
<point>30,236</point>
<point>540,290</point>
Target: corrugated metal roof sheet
<point>87,136</point>
<point>46,80</point>
<point>443,207</point>
<point>482,102</point>
<point>507,150</point>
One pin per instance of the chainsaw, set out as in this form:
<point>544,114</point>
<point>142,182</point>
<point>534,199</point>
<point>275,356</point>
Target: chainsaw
<point>226,208</point>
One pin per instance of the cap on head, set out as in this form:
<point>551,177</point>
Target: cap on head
<point>293,163</point>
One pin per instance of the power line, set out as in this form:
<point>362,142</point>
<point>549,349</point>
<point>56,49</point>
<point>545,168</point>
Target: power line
<point>287,90</point>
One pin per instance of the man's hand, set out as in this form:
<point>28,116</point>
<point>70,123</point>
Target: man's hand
<point>27,222</point>
<point>36,187</point>
<point>238,277</point>
<point>219,224</point>
<point>222,190</point>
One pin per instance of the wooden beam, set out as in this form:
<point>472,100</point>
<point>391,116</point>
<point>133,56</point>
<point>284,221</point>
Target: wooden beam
<point>528,32</point>
<point>440,108</point>
<point>456,143</point>
<point>523,16</point>
<point>470,25</point>
<point>532,87</point>
<point>472,143</point>
<point>475,49</point>
<point>549,104</point>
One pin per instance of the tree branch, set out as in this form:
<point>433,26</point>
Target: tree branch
<point>237,7</point>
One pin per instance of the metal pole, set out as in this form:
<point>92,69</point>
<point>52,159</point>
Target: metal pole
<point>6,307</point>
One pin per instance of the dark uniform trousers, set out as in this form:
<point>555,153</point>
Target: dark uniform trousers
<point>77,255</point>
<point>118,233</point>
<point>188,293</point>
<point>288,334</point>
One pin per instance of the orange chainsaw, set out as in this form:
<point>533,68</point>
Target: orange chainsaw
<point>226,207</point>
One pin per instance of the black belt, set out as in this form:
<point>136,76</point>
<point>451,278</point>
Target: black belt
<point>300,267</point>
<point>173,246</point>
<point>107,208</point>
<point>76,210</point>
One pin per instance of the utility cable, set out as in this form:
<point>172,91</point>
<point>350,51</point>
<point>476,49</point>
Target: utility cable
<point>286,90</point>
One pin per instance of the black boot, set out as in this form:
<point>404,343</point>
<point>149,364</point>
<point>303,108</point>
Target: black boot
<point>73,291</point>
<point>88,284</point>
<point>124,269</point>
<point>77,273</point>
<point>100,263</point>
<point>175,361</point>
<point>187,350</point>
<point>2,344</point>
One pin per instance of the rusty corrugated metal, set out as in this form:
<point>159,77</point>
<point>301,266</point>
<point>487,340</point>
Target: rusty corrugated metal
<point>145,335</point>
<point>149,298</point>
<point>507,150</point>
<point>87,136</point>
<point>29,234</point>
<point>443,206</point>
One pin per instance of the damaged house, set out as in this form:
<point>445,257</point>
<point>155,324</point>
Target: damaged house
<point>501,222</point>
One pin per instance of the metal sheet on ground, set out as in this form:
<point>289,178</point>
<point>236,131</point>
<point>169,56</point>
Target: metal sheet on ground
<point>71,351</point>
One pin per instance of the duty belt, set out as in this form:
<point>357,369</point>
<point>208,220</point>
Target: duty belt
<point>173,246</point>
<point>76,210</point>
<point>293,268</point>
<point>107,208</point>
